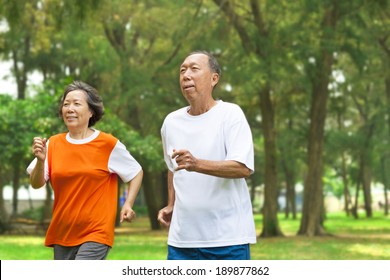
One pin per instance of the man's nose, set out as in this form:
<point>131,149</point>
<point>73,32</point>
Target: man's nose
<point>187,75</point>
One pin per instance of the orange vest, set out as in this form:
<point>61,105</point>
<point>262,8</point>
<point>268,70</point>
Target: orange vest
<point>85,192</point>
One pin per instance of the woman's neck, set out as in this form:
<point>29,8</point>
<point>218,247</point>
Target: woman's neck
<point>81,134</point>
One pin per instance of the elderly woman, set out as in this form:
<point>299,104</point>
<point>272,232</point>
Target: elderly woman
<point>83,166</point>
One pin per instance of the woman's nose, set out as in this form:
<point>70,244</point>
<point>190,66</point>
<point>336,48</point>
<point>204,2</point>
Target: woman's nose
<point>70,107</point>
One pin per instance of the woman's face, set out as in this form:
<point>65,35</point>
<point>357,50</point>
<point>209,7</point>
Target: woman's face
<point>75,110</point>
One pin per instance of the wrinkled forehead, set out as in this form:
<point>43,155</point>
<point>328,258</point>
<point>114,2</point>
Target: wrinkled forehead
<point>197,58</point>
<point>76,95</point>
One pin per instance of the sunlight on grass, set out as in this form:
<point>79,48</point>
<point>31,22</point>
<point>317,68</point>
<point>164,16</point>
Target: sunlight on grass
<point>375,251</point>
<point>21,242</point>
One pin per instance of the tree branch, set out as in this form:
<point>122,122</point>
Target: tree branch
<point>227,8</point>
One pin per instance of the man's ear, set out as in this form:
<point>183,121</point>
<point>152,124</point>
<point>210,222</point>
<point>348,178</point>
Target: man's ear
<point>215,79</point>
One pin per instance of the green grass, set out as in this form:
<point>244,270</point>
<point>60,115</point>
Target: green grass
<point>362,239</point>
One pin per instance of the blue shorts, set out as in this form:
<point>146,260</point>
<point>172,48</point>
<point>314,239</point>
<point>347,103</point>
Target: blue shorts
<point>235,252</point>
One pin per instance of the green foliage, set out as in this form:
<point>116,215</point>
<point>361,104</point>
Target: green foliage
<point>333,184</point>
<point>21,120</point>
<point>131,50</point>
<point>147,150</point>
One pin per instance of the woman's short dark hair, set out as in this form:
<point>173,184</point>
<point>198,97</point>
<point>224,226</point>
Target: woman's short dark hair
<point>94,101</point>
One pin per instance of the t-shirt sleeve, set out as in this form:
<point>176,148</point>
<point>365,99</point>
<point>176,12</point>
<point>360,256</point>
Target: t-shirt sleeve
<point>239,141</point>
<point>122,163</point>
<point>167,150</point>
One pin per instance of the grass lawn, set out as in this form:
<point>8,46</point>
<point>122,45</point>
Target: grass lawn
<point>362,239</point>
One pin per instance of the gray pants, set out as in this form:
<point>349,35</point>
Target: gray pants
<point>85,251</point>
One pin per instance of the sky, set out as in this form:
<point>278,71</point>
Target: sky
<point>7,81</point>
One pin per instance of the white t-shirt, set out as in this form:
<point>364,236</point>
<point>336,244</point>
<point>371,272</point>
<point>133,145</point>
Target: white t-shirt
<point>210,211</point>
<point>120,162</point>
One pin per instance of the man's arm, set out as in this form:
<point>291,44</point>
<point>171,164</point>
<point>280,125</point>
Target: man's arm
<point>165,215</point>
<point>225,168</point>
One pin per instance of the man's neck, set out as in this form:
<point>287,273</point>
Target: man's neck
<point>198,109</point>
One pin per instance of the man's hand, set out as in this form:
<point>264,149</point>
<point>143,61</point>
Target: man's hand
<point>165,216</point>
<point>185,160</point>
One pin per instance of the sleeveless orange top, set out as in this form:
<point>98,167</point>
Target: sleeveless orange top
<point>85,192</point>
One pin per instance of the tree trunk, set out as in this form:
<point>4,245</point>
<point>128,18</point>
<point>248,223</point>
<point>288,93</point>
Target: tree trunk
<point>386,205</point>
<point>288,166</point>
<point>155,188</point>
<point>311,223</point>
<point>383,42</point>
<point>365,169</point>
<point>312,200</point>
<point>48,204</point>
<point>15,188</point>
<point>258,48</point>
<point>270,210</point>
<point>290,193</point>
<point>344,173</point>
<point>355,208</point>
<point>252,191</point>
<point>367,189</point>
<point>21,71</point>
<point>347,194</point>
<point>385,180</point>
<point>3,212</point>
<point>387,87</point>
<point>290,183</point>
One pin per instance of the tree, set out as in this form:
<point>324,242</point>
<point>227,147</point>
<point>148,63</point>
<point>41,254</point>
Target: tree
<point>318,70</point>
<point>278,61</point>
<point>255,38</point>
<point>383,39</point>
<point>142,52</point>
<point>4,155</point>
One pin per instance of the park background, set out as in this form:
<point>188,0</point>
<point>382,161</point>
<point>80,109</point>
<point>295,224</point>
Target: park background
<point>312,76</point>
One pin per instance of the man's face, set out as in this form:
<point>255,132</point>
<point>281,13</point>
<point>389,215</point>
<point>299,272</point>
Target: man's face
<point>196,79</point>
